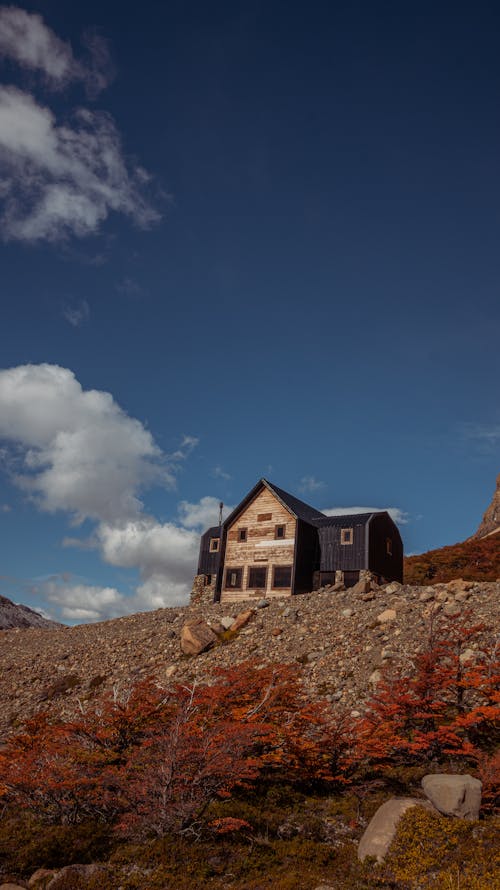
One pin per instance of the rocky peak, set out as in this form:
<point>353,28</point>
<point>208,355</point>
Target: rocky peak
<point>491,519</point>
<point>12,615</point>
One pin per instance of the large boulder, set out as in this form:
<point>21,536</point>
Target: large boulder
<point>382,828</point>
<point>196,637</point>
<point>454,795</point>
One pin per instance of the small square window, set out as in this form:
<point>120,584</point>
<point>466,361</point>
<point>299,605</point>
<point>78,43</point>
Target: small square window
<point>256,578</point>
<point>280,531</point>
<point>214,545</point>
<point>388,546</point>
<point>282,576</point>
<point>242,534</point>
<point>346,535</point>
<point>233,579</point>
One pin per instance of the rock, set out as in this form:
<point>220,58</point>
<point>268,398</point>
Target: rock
<point>393,587</point>
<point>216,626</point>
<point>491,519</point>
<point>452,610</point>
<point>466,656</point>
<point>454,795</point>
<point>458,585</point>
<point>276,631</point>
<point>263,604</point>
<point>10,886</point>
<point>196,637</point>
<point>82,873</point>
<point>383,826</point>
<point>346,613</point>
<point>241,619</point>
<point>375,678</point>
<point>427,595</point>
<point>387,615</point>
<point>361,587</point>
<point>41,877</point>
<point>226,621</point>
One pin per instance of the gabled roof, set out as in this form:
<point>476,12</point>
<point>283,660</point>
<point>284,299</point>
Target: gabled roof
<point>298,508</point>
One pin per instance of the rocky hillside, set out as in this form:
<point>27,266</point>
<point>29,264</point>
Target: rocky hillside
<point>12,615</point>
<point>491,519</point>
<point>342,640</point>
<point>475,559</point>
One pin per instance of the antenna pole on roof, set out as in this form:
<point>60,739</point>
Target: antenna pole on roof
<point>221,505</point>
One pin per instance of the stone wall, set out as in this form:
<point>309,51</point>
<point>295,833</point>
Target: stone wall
<point>203,591</point>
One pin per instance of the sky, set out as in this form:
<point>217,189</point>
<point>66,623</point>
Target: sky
<point>240,239</point>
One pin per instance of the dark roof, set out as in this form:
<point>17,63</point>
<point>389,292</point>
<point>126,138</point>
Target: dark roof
<point>301,509</point>
<point>297,507</point>
<point>214,531</point>
<point>350,518</point>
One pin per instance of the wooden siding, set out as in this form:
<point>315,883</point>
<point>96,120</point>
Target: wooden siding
<point>348,557</point>
<point>390,568</point>
<point>261,548</point>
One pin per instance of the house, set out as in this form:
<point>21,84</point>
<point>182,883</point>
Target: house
<point>275,545</point>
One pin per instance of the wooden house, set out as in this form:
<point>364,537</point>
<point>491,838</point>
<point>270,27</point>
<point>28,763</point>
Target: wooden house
<point>275,545</point>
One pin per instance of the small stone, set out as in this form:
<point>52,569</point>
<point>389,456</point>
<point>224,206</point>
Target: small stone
<point>375,678</point>
<point>276,631</point>
<point>467,655</point>
<point>387,615</point>
<point>242,619</point>
<point>426,596</point>
<point>360,588</point>
<point>452,610</point>
<point>346,613</point>
<point>226,621</point>
<point>393,587</point>
<point>263,604</point>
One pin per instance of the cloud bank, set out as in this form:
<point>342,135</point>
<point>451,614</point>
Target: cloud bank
<point>60,178</point>
<point>77,451</point>
<point>28,41</point>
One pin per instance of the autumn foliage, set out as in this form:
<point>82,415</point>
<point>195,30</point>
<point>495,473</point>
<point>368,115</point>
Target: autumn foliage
<point>477,559</point>
<point>153,761</point>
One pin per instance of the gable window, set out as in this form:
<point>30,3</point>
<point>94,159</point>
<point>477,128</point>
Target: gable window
<point>388,546</point>
<point>233,579</point>
<point>280,531</point>
<point>214,545</point>
<point>242,534</point>
<point>346,535</point>
<point>256,577</point>
<point>282,576</point>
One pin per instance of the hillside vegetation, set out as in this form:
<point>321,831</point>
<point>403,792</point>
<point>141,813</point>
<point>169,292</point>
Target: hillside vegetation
<point>477,559</point>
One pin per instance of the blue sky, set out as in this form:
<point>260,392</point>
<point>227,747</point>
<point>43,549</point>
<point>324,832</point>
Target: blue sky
<point>240,240</point>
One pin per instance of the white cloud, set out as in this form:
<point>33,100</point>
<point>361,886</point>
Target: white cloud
<point>80,452</point>
<point>203,514</point>
<point>28,41</point>
<point>83,603</point>
<point>62,180</point>
<point>399,516</point>
<point>77,451</point>
<point>219,473</point>
<point>308,484</point>
<point>76,313</point>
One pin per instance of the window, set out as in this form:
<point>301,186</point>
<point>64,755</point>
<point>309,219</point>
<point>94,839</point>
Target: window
<point>242,534</point>
<point>214,545</point>
<point>346,535</point>
<point>388,546</point>
<point>280,531</point>
<point>282,576</point>
<point>233,579</point>
<point>256,577</point>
